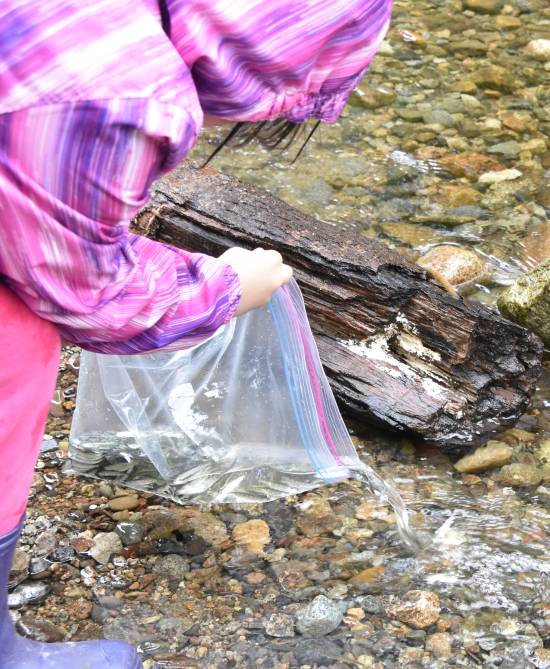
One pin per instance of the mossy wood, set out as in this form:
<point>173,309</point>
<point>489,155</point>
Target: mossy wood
<point>399,350</point>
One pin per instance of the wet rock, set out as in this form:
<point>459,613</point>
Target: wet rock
<point>253,535</point>
<point>124,628</point>
<point>370,97</point>
<point>505,22</point>
<point>543,494</point>
<point>469,164</point>
<point>440,645</point>
<point>495,77</point>
<point>418,608</point>
<point>368,575</point>
<point>541,658</point>
<point>483,6</point>
<point>208,527</point>
<point>507,150</point>
<point>456,195</point>
<point>410,233</point>
<point>493,454</point>
<point>130,533</point>
<point>19,568</point>
<point>322,653</point>
<point>279,625</point>
<point>172,567</point>
<point>320,617</point>
<point>539,49</point>
<point>45,543</point>
<point>489,178</point>
<point>520,475</point>
<point>38,629</point>
<point>527,301</point>
<point>291,575</point>
<point>28,593</point>
<point>123,503</point>
<point>439,117</point>
<point>105,545</point>
<point>39,567</point>
<point>174,628</point>
<point>317,517</point>
<point>455,264</point>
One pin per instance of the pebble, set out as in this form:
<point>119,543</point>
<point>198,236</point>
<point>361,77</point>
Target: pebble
<point>38,629</point>
<point>499,177</point>
<point>28,593</point>
<point>322,653</point>
<point>130,533</point>
<point>541,658</point>
<point>539,49</point>
<point>520,475</point>
<point>508,150</point>
<point>493,454</point>
<point>105,545</point>
<point>173,567</point>
<point>123,503</point>
<point>253,535</point>
<point>483,6</point>
<point>279,625</point>
<point>321,616</point>
<point>454,263</point>
<point>418,608</point>
<point>527,301</point>
<point>440,645</point>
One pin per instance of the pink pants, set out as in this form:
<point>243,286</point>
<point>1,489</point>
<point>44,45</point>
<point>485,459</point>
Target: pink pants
<point>29,358</point>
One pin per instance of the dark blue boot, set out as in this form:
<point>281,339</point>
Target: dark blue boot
<point>17,652</point>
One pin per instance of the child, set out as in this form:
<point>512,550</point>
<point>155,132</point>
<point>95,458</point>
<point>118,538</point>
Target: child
<point>98,99</point>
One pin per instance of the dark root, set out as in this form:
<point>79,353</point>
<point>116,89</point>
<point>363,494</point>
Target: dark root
<point>278,134</point>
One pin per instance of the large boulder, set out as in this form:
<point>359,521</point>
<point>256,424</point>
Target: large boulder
<point>527,301</point>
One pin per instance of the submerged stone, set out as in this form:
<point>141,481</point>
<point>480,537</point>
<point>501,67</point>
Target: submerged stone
<point>455,264</point>
<point>527,301</point>
<point>418,608</point>
<point>520,475</point>
<point>320,617</point>
<point>493,454</point>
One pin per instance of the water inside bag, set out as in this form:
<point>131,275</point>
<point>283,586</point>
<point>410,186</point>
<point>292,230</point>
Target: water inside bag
<point>246,416</point>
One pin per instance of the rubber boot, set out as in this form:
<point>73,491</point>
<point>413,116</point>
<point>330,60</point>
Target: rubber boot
<point>16,652</point>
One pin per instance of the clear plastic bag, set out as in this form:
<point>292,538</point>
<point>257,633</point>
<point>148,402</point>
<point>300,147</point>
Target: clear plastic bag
<point>246,416</point>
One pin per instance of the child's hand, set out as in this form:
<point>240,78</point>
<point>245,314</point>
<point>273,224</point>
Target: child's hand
<point>260,273</point>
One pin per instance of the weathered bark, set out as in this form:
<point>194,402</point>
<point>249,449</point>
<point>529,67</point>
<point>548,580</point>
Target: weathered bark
<point>399,350</point>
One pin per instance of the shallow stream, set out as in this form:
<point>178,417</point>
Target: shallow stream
<point>453,94</point>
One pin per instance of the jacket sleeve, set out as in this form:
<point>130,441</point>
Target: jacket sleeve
<point>72,176</point>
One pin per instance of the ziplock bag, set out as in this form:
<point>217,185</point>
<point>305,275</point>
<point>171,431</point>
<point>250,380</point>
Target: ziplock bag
<point>246,416</point>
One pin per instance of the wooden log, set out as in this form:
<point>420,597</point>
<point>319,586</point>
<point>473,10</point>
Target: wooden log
<point>399,350</point>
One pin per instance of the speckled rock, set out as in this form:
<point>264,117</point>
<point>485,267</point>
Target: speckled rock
<point>456,264</point>
<point>493,454</point>
<point>279,625</point>
<point>440,645</point>
<point>527,301</point>
<point>520,475</point>
<point>418,608</point>
<point>105,545</point>
<point>173,567</point>
<point>320,617</point>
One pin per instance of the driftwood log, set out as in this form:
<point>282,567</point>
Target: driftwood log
<point>398,349</point>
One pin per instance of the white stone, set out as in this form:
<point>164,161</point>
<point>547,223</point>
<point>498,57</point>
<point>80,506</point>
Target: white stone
<point>539,49</point>
<point>499,176</point>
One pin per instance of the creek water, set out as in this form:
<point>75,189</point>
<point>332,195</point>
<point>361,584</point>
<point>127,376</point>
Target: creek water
<point>452,94</point>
